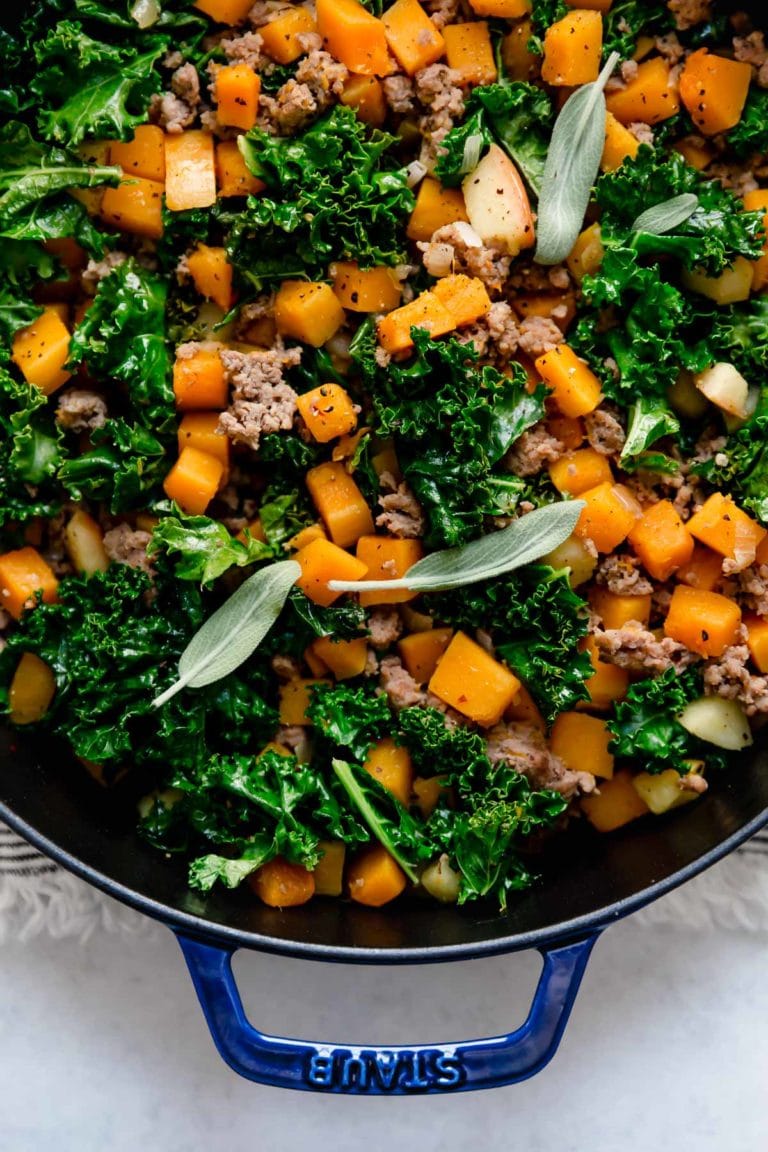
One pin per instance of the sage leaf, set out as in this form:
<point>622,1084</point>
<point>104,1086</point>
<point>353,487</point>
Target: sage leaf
<point>384,828</point>
<point>661,218</point>
<point>235,630</point>
<point>571,167</point>
<point>528,539</point>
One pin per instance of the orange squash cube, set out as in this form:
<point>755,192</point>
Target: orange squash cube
<point>581,742</point>
<point>194,480</point>
<point>575,388</point>
<point>142,156</point>
<point>725,528</point>
<point>279,884</point>
<point>354,36</point>
<point>328,412</point>
<point>426,311</point>
<point>199,381</point>
<point>24,573</point>
<point>387,558</point>
<point>580,470</point>
<point>233,176</point>
<point>307,535</point>
<point>295,696</point>
<point>281,37</point>
<point>651,96</point>
<point>617,610</point>
<point>307,312</point>
<point>322,561</point>
<point>135,206</point>
<point>190,171</point>
<point>421,652</point>
<point>587,254</point>
<point>473,683</point>
<point>225,11</point>
<point>426,793</point>
<point>519,61</point>
<point>704,570</point>
<point>390,764</point>
<point>465,297</point>
<point>757,640</point>
<point>609,517</point>
<point>435,207</point>
<point>211,274</point>
<point>572,49</point>
<point>374,878</point>
<point>329,871</point>
<point>345,658</point>
<point>237,89</point>
<point>365,289</point>
<point>705,622</point>
<point>506,9</point>
<point>525,710</point>
<point>469,52</point>
<point>41,350</point>
<point>568,430</point>
<point>366,95</point>
<point>616,804</point>
<point>340,503</point>
<point>714,90</point>
<point>620,145</point>
<point>607,684</point>
<point>411,36</point>
<point>31,691</point>
<point>201,430</point>
<point>661,540</point>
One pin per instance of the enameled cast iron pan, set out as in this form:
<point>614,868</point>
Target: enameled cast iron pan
<point>588,881</point>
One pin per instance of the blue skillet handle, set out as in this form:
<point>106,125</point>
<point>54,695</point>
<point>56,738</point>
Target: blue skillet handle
<point>393,1071</point>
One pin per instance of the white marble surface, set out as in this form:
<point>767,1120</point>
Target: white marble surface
<point>105,1050</point>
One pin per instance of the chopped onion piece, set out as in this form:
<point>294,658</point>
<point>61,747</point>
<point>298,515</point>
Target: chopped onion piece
<point>145,13</point>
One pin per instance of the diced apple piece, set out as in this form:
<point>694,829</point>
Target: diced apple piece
<point>725,387</point>
<point>573,553</point>
<point>497,203</point>
<point>730,287</point>
<point>663,790</point>
<point>717,721</point>
<point>441,881</point>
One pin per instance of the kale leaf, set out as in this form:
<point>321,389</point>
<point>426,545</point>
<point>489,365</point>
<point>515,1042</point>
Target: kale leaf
<point>649,420</point>
<point>627,19</point>
<point>30,446</point>
<point>350,719</point>
<point>751,133</point>
<point>204,549</point>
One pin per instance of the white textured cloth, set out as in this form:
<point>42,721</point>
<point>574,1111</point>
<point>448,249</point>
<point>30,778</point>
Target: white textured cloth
<point>37,896</point>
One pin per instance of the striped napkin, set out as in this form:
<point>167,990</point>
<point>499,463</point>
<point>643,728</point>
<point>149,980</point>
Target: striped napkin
<point>37,896</point>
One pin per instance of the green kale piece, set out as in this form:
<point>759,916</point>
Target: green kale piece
<point>650,419</point>
<point>751,133</point>
<point>350,719</point>
<point>30,451</point>
<point>544,13</point>
<point>204,549</point>
<point>626,19</point>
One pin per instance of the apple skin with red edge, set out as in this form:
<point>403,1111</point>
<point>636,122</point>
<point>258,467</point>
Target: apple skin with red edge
<point>497,204</point>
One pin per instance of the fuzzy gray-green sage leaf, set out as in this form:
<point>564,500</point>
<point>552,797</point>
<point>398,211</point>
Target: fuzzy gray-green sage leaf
<point>236,629</point>
<point>669,214</point>
<point>523,542</point>
<point>573,160</point>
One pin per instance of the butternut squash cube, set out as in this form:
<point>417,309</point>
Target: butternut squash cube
<point>426,793</point>
<point>211,274</point>
<point>473,683</point>
<point>609,517</point>
<point>201,430</point>
<point>587,253</point>
<point>190,171</point>
<point>387,558</point>
<point>617,610</point>
<point>322,561</point>
<point>705,622</point>
<point>469,52</point>
<point>374,878</point>
<point>135,206</point>
<point>24,573</point>
<point>581,742</point>
<point>329,871</point>
<point>465,297</point>
<point>506,9</point>
<point>32,689</point>
<point>354,36</point>
<point>233,176</point>
<point>698,156</point>
<point>620,145</point>
<point>237,89</point>
<point>575,388</point>
<point>390,764</point>
<point>572,49</point>
<point>339,503</point>
<point>426,311</point>
<point>199,381</point>
<point>280,884</point>
<point>365,289</point>
<point>435,207</point>
<point>84,542</point>
<point>714,90</point>
<point>411,36</point>
<point>651,96</point>
<point>142,156</point>
<point>519,61</point>
<point>607,684</point>
<point>568,430</point>
<point>616,804</point>
<point>366,95</point>
<point>661,540</point>
<point>725,528</point>
<point>328,412</point>
<point>194,480</point>
<point>525,710</point>
<point>307,535</point>
<point>281,37</point>
<point>757,640</point>
<point>345,658</point>
<point>421,652</point>
<point>579,471</point>
<point>294,698</point>
<point>704,570</point>
<point>41,350</point>
<point>225,11</point>
<point>308,312</point>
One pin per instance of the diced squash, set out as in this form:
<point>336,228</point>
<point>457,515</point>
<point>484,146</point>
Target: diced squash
<point>237,88</point>
<point>421,652</point>
<point>345,658</point>
<point>32,689</point>
<point>328,873</point>
<point>573,554</point>
<point>190,171</point>
<point>24,573</point>
<point>714,90</point>
<point>390,764</point>
<point>294,697</point>
<point>580,470</point>
<point>366,289</point>
<point>617,610</point>
<point>374,878</point>
<point>620,144</point>
<point>366,95</point>
<point>705,622</point>
<point>135,206</point>
<point>199,381</point>
<point>307,311</point>
<point>411,36</point>
<point>426,793</point>
<point>387,558</point>
<point>704,570</point>
<point>84,542</point>
<point>609,516</point>
<point>281,37</point>
<point>650,96</point>
<point>757,201</point>
<point>340,503</point>
<point>94,153</point>
<point>662,791</point>
<point>355,37</point>
<point>569,430</point>
<point>41,350</point>
<point>280,884</point>
<point>322,561</point>
<point>473,683</point>
<point>558,306</point>
<point>316,666</point>
<point>469,52</point>
<point>587,253</point>
<point>194,480</point>
<point>211,274</point>
<point>254,530</point>
<point>572,49</point>
<point>519,61</point>
<point>426,311</point>
<point>307,535</point>
<point>525,710</point>
<point>616,804</point>
<point>730,287</point>
<point>581,742</point>
<point>699,156</point>
<point>465,297</point>
<point>435,207</point>
<point>506,9</point>
<point>67,250</point>
<point>757,640</point>
<point>328,412</point>
<point>142,156</point>
<point>201,430</point>
<point>233,176</point>
<point>725,528</point>
<point>661,540</point>
<point>225,11</point>
<point>607,684</point>
<point>575,388</point>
